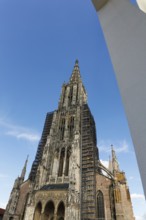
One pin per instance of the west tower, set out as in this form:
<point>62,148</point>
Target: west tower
<point>67,180</point>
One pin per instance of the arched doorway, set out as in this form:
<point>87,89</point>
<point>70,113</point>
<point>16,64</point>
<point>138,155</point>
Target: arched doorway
<point>37,213</point>
<point>61,211</point>
<point>49,211</point>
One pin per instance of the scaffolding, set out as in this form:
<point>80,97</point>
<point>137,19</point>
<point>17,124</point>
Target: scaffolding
<point>45,133</point>
<point>89,158</point>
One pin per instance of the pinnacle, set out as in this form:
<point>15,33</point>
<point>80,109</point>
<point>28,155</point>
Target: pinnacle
<point>114,159</point>
<point>24,169</point>
<point>76,62</point>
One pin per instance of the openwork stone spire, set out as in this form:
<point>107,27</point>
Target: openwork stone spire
<point>73,93</point>
<point>76,77</point>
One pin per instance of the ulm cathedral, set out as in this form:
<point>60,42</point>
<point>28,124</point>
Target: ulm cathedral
<point>67,180</point>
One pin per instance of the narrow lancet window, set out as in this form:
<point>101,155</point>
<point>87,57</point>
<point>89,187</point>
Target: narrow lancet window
<point>100,206</point>
<point>70,96</point>
<point>71,126</point>
<point>62,128</point>
<point>67,162</point>
<point>62,156</point>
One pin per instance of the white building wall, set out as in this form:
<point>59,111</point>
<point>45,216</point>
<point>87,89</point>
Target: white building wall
<point>124,28</point>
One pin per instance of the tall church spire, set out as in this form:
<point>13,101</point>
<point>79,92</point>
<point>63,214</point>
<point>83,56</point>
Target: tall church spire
<point>76,77</point>
<point>73,93</point>
<point>24,169</point>
<point>67,165</point>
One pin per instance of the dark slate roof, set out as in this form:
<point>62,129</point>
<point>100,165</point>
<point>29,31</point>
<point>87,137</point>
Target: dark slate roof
<point>55,186</point>
<point>2,211</point>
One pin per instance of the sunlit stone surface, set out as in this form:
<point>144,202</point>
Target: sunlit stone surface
<point>124,28</point>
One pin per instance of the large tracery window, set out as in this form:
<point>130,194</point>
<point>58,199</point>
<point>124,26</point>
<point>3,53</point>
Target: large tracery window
<point>61,162</point>
<point>100,206</point>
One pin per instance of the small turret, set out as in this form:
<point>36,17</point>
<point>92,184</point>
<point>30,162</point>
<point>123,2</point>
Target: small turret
<point>114,161</point>
<point>24,170</point>
<point>110,167</point>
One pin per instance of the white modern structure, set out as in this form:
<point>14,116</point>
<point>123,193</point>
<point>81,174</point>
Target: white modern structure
<point>142,5</point>
<point>124,28</point>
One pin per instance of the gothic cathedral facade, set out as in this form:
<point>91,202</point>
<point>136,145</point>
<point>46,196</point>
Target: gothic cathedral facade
<point>67,181</point>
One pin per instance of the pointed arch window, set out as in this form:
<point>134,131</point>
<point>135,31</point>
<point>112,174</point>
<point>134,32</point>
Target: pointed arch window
<point>61,162</point>
<point>67,161</point>
<point>100,206</point>
<point>62,128</point>
<point>71,126</point>
<point>70,96</point>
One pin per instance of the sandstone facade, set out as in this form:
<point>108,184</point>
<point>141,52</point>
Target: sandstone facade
<point>67,180</point>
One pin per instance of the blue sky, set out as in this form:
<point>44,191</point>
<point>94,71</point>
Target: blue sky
<point>39,43</point>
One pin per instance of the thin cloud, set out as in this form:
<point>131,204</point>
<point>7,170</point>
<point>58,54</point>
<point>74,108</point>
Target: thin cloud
<point>3,176</point>
<point>119,146</point>
<point>22,135</point>
<point>137,196</point>
<point>18,132</point>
